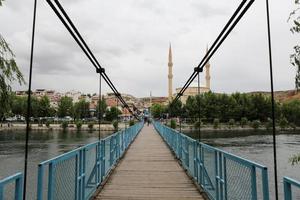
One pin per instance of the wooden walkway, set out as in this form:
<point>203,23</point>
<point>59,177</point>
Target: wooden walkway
<point>149,171</point>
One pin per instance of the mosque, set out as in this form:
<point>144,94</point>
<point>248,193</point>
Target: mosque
<point>192,90</point>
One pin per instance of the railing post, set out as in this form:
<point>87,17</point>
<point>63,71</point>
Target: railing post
<point>19,188</point>
<point>1,191</point>
<point>225,177</point>
<point>40,182</point>
<point>195,161</point>
<point>217,175</point>
<point>253,183</point>
<point>111,150</point>
<point>221,175</point>
<point>102,160</point>
<point>265,183</point>
<point>51,180</point>
<point>287,190</point>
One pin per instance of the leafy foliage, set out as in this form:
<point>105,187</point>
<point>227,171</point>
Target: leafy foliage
<point>295,159</point>
<point>78,124</point>
<point>173,124</point>
<point>65,107</point>
<point>112,113</point>
<point>175,109</point>
<point>157,110</point>
<point>90,126</point>
<point>9,72</point>
<point>116,125</point>
<point>283,123</point>
<point>81,109</point>
<point>216,123</point>
<point>101,107</point>
<point>64,125</point>
<point>244,121</point>
<point>131,122</point>
<point>294,19</point>
<point>255,124</point>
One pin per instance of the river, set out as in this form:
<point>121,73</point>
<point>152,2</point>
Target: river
<point>256,146</point>
<point>43,145</point>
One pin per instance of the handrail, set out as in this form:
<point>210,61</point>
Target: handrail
<point>78,173</point>
<point>287,185</point>
<point>222,175</point>
<point>18,190</point>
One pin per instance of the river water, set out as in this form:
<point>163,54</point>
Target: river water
<point>43,145</point>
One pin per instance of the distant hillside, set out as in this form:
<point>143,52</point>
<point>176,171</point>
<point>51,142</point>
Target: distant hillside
<point>282,96</point>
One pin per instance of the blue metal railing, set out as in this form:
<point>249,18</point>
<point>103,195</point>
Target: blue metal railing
<point>15,181</point>
<point>221,175</point>
<point>78,173</point>
<point>289,186</point>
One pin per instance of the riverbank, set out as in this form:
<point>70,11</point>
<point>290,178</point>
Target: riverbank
<point>71,127</point>
<point>226,128</point>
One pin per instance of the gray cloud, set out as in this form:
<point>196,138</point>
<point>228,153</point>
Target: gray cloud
<point>131,39</point>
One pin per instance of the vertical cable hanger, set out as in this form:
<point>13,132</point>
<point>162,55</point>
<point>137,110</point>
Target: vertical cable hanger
<point>100,114</point>
<point>272,98</point>
<point>28,114</point>
<point>198,70</point>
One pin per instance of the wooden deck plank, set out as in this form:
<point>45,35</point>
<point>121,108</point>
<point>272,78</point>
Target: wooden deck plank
<point>149,171</point>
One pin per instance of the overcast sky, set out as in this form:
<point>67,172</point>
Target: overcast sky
<point>130,38</point>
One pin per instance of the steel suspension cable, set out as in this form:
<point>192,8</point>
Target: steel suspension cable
<point>217,43</point>
<point>28,114</point>
<point>218,38</point>
<point>82,44</point>
<point>272,98</point>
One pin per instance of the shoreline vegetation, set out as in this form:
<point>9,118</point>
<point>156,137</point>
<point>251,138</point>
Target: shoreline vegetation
<point>68,127</point>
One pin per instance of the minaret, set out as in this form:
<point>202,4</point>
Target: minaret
<point>207,75</point>
<point>170,75</point>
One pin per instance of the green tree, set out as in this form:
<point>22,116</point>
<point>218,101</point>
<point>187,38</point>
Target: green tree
<point>65,107</point>
<point>19,105</point>
<point>283,123</point>
<point>216,123</point>
<point>157,110</point>
<point>255,124</point>
<point>244,122</point>
<point>231,123</point>
<point>81,109</point>
<point>116,125</point>
<point>295,159</point>
<point>101,106</point>
<point>44,109</point>
<point>291,110</point>
<point>175,109</point>
<point>112,113</point>
<point>294,18</point>
<point>9,72</point>
<point>269,124</point>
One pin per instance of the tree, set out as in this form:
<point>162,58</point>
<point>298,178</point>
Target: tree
<point>101,106</point>
<point>157,110</point>
<point>294,18</point>
<point>18,105</point>
<point>295,159</point>
<point>44,109</point>
<point>81,109</point>
<point>65,107</point>
<point>283,123</point>
<point>175,108</point>
<point>112,113</point>
<point>9,72</point>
